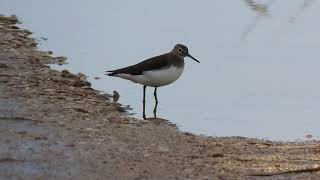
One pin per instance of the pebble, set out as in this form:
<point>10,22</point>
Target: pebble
<point>308,136</point>
<point>65,73</point>
<point>115,96</point>
<point>3,65</point>
<point>163,149</point>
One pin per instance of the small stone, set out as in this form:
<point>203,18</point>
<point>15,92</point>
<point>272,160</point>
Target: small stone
<point>86,87</point>
<point>90,129</point>
<point>65,73</point>
<point>82,76</point>
<point>60,60</point>
<point>82,143</point>
<point>163,149</point>
<point>106,96</point>
<point>81,110</point>
<point>115,120</point>
<point>27,32</point>
<point>4,81</point>
<point>80,83</point>
<point>3,65</point>
<point>43,38</point>
<point>308,136</point>
<point>14,27</point>
<point>115,96</point>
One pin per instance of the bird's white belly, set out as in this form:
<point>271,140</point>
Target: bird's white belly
<point>156,78</point>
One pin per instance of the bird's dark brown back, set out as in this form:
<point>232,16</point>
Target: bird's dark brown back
<point>157,62</point>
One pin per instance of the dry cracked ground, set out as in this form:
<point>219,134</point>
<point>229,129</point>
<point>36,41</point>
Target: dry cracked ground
<point>53,125</point>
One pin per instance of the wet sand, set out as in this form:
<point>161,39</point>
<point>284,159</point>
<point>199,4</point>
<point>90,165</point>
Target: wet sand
<point>53,125</point>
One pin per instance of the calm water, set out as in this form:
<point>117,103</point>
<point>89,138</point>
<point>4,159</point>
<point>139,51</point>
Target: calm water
<point>259,72</point>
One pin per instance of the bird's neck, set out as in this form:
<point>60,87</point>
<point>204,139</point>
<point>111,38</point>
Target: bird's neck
<point>178,62</point>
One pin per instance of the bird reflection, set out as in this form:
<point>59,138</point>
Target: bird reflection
<point>261,10</point>
<point>293,17</point>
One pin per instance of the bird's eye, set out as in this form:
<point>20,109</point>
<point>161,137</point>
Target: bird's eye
<point>180,49</point>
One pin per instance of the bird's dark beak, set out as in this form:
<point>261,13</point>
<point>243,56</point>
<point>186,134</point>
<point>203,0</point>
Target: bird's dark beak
<point>192,58</point>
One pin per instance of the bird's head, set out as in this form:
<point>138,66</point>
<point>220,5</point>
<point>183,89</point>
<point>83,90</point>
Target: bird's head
<point>182,51</point>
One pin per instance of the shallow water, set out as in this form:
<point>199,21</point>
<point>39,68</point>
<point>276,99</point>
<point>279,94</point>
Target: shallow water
<point>259,69</point>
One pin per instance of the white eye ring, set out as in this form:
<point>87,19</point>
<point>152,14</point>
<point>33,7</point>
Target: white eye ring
<point>180,49</point>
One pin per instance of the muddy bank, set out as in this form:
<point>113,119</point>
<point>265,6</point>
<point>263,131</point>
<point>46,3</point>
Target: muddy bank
<point>53,125</point>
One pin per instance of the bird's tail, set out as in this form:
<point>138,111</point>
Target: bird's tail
<point>111,73</point>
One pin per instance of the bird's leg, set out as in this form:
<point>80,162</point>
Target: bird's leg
<point>144,102</point>
<point>156,105</point>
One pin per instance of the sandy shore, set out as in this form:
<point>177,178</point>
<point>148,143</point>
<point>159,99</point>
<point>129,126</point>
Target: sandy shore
<point>53,125</point>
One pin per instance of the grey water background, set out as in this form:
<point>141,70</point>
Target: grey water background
<point>259,71</point>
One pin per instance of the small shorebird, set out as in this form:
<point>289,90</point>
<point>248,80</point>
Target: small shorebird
<point>156,72</point>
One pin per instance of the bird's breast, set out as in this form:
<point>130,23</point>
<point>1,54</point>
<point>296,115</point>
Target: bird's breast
<point>162,77</point>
